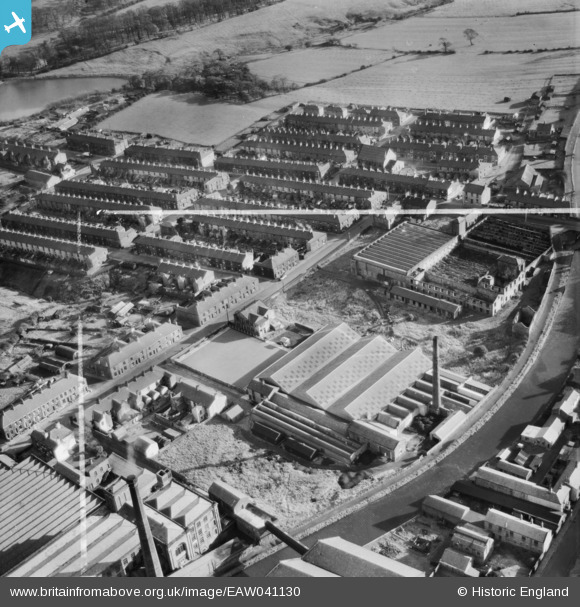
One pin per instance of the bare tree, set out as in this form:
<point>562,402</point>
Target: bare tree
<point>470,34</point>
<point>445,44</point>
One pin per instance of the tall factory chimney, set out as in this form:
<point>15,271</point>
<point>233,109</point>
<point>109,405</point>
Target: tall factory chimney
<point>150,556</point>
<point>436,400</point>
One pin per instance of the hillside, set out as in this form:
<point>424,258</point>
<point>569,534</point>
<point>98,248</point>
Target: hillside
<point>269,29</point>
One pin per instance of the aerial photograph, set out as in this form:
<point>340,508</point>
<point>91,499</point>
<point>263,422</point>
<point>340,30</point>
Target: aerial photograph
<point>290,288</point>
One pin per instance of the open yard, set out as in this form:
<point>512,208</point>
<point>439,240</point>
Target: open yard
<point>219,451</point>
<point>232,357</point>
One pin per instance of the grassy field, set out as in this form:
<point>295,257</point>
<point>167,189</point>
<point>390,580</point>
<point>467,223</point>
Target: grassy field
<point>312,65</point>
<point>219,451</point>
<point>555,30</point>
<point>291,22</point>
<point>188,118</point>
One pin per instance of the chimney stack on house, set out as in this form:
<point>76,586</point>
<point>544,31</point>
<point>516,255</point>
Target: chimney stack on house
<point>436,399</point>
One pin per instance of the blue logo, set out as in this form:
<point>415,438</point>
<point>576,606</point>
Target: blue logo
<point>15,22</point>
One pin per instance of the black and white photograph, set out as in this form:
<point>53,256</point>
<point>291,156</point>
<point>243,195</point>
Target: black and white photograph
<point>290,289</point>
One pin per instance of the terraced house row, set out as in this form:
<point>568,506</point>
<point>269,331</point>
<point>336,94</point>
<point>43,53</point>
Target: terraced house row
<point>327,221</point>
<point>399,184</point>
<point>166,198</point>
<point>337,196</point>
<point>88,258</point>
<point>232,260</point>
<point>313,150</point>
<point>274,168</point>
<point>72,205</point>
<point>213,304</point>
<point>192,156</point>
<point>143,171</point>
<point>31,156</point>
<point>96,234</point>
<point>27,412</point>
<point>270,231</point>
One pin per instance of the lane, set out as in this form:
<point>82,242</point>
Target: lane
<point>543,380</point>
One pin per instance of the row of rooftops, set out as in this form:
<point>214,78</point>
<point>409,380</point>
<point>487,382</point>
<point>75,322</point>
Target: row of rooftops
<point>94,201</point>
<point>301,135</point>
<point>7,237</point>
<point>230,163</point>
<point>197,249</point>
<point>208,300</point>
<point>257,225</point>
<point>117,190</point>
<point>308,186</point>
<point>53,389</point>
<point>378,174</point>
<point>157,167</point>
<point>30,149</point>
<point>32,221</point>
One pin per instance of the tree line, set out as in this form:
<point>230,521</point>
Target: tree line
<point>106,33</point>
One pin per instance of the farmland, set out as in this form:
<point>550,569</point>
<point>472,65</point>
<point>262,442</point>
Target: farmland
<point>312,65</point>
<point>292,22</point>
<point>188,118</point>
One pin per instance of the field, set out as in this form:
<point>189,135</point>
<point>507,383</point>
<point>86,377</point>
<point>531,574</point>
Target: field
<point>188,117</point>
<point>233,357</point>
<point>291,22</point>
<point>312,65</point>
<point>219,451</point>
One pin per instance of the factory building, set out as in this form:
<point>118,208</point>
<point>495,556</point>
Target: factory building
<point>339,394</point>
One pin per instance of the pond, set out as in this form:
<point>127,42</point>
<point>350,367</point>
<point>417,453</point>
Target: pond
<point>22,98</point>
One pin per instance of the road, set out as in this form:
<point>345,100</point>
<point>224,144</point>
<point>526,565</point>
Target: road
<point>543,380</point>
